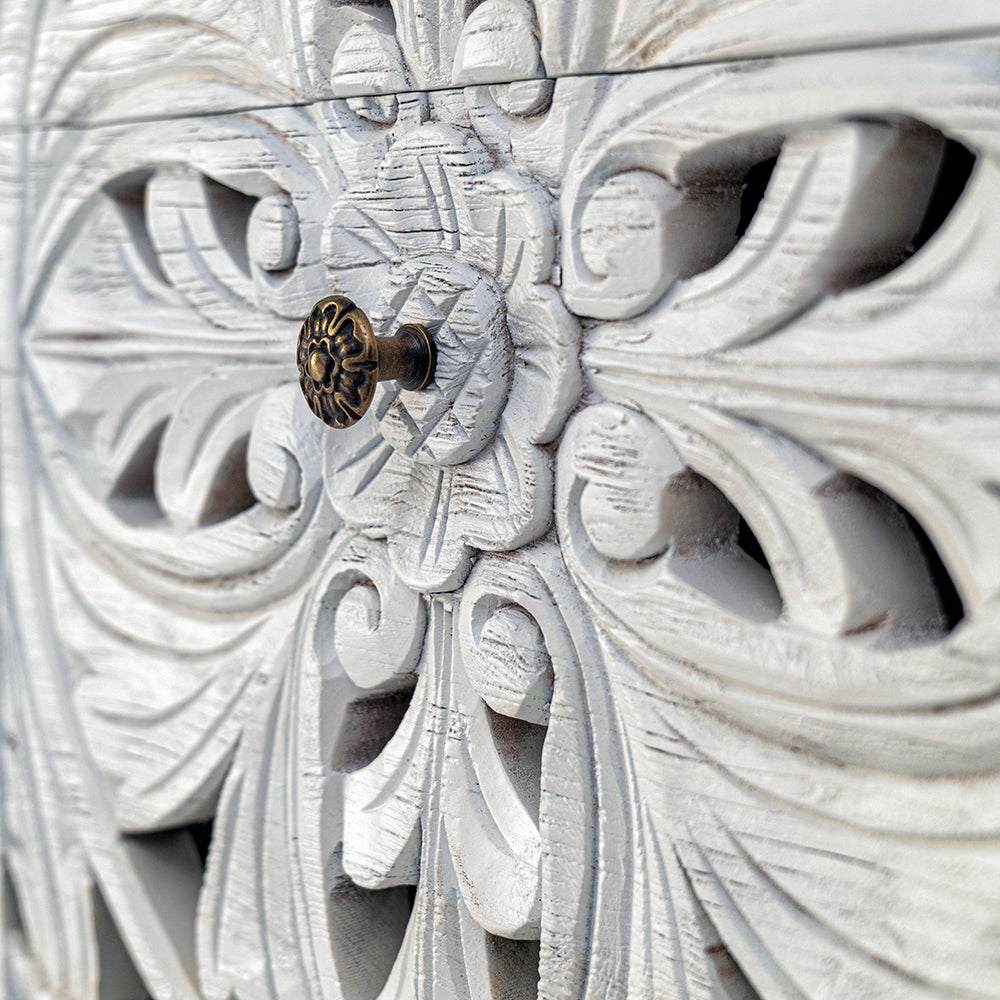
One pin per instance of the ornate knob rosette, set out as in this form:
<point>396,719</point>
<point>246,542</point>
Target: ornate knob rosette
<point>341,360</point>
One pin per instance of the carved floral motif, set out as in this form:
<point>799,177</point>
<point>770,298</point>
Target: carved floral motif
<point>676,679</point>
<point>440,238</point>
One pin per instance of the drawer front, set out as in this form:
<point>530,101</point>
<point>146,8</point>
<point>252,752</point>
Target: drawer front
<point>646,652</point>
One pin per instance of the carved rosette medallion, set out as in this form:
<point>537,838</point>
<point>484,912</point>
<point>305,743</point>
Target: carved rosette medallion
<point>440,237</point>
<point>650,651</point>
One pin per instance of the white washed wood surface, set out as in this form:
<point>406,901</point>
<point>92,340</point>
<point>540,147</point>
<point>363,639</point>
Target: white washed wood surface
<point>100,60</point>
<point>651,653</point>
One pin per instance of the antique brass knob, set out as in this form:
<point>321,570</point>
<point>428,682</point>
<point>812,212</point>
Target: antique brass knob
<point>341,360</point>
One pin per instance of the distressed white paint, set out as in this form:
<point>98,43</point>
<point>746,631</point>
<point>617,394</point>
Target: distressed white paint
<point>493,695</point>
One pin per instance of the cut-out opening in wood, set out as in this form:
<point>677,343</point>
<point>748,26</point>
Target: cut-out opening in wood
<point>910,177</point>
<point>755,182</point>
<point>749,543</point>
<point>940,189</point>
<point>201,834</point>
<point>896,587</point>
<point>370,722</point>
<point>899,565</point>
<point>167,865</point>
<point>714,549</point>
<point>948,597</point>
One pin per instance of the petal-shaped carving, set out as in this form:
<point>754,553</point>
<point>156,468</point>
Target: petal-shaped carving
<point>843,560</point>
<point>382,842</point>
<point>550,372</point>
<point>493,835</point>
<point>376,488</point>
<point>814,232</point>
<point>841,206</point>
<point>428,36</point>
<point>201,470</point>
<point>499,43</point>
<point>285,456</point>
<point>497,496</point>
<point>682,643</point>
<point>198,230</point>
<point>585,802</point>
<point>276,883</point>
<point>368,63</point>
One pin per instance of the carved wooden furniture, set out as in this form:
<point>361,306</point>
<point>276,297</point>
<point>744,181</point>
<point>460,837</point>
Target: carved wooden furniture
<point>651,650</point>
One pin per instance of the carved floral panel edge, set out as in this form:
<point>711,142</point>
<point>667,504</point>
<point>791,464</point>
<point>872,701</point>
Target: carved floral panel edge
<point>650,654</point>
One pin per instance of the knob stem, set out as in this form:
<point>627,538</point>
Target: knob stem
<point>408,357</point>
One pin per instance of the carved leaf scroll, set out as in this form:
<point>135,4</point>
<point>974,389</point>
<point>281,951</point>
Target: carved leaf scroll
<point>867,729</point>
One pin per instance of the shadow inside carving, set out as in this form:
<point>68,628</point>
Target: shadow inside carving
<point>367,929</point>
<point>936,188</point>
<point>13,922</point>
<point>201,835</point>
<point>953,175</point>
<point>513,968</point>
<point>119,978</point>
<point>952,608</point>
<point>133,497</point>
<point>519,745</point>
<point>755,182</point>
<point>749,543</point>
<point>910,576</point>
<point>909,179</point>
<point>167,865</point>
<point>899,591</point>
<point>230,216</point>
<point>715,550</point>
<point>129,195</point>
<point>230,492</point>
<point>369,724</point>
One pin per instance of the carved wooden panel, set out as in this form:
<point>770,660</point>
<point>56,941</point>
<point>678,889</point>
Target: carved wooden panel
<point>651,652</point>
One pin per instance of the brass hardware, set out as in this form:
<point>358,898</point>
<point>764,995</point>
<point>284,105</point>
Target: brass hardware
<point>341,360</point>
